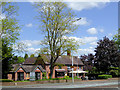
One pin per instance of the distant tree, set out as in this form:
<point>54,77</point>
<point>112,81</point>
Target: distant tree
<point>91,59</point>
<point>106,55</point>
<point>42,51</point>
<point>20,48</point>
<point>17,60</point>
<point>26,56</point>
<point>88,61</point>
<point>20,60</point>
<point>83,58</point>
<point>32,55</point>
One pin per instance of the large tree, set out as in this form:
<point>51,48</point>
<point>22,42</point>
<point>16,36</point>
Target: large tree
<point>8,34</point>
<point>106,55</point>
<point>57,21</point>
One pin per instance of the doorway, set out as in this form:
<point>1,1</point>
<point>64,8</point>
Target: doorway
<point>37,75</point>
<point>20,76</point>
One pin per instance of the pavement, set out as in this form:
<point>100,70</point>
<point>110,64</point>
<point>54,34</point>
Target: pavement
<point>110,83</point>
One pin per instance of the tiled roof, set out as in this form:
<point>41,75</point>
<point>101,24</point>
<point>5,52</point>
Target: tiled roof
<point>30,60</point>
<point>27,68</point>
<point>61,60</point>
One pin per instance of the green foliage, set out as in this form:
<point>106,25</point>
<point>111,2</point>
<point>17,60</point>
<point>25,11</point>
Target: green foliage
<point>104,76</point>
<point>114,68</point>
<point>10,27</point>
<point>20,60</point>
<point>44,75</point>
<point>93,71</point>
<point>114,71</point>
<point>32,55</point>
<point>23,81</point>
<point>26,56</point>
<point>57,22</point>
<point>116,38</point>
<point>5,80</point>
<point>66,77</point>
<point>8,34</point>
<point>106,55</point>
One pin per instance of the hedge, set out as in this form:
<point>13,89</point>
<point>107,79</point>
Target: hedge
<point>104,76</point>
<point>5,80</point>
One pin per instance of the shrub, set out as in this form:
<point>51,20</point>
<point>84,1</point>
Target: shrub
<point>104,76</point>
<point>44,75</point>
<point>114,73</point>
<point>66,77</point>
<point>5,80</point>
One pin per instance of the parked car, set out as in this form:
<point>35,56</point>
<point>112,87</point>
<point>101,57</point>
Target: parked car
<point>92,78</point>
<point>84,78</point>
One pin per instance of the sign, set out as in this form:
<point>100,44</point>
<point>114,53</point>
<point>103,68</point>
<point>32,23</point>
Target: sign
<point>32,76</point>
<point>72,66</point>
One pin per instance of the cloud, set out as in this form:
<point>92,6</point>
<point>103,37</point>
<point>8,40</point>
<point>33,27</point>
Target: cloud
<point>92,31</point>
<point>83,39</point>
<point>93,43</point>
<point>82,21</point>
<point>86,51</point>
<point>29,25</point>
<point>110,35</point>
<point>101,30</point>
<point>79,6</point>
<point>30,43</point>
<point>32,50</point>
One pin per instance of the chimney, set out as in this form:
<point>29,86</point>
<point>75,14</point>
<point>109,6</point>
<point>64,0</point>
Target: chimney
<point>68,52</point>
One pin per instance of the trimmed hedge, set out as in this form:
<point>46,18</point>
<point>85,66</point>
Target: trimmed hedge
<point>65,78</point>
<point>5,80</point>
<point>104,76</point>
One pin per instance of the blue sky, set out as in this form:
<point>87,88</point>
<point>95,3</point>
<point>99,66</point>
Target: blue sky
<point>99,19</point>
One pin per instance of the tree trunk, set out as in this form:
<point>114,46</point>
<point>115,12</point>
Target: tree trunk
<point>51,71</point>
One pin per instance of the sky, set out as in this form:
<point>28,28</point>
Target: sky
<point>99,19</point>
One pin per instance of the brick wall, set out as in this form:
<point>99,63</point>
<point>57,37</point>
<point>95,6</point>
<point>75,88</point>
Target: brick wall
<point>10,76</point>
<point>56,67</point>
<point>16,76</point>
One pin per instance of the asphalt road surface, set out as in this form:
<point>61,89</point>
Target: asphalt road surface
<point>110,83</point>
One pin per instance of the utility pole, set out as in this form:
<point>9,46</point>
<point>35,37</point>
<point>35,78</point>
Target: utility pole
<point>77,68</point>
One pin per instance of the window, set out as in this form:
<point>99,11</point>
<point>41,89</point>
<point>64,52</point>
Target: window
<point>68,67</point>
<point>80,68</point>
<point>60,74</point>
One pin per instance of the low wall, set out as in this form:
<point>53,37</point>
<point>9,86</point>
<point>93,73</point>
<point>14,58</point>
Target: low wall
<point>37,82</point>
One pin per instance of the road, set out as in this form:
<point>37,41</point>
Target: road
<point>110,83</point>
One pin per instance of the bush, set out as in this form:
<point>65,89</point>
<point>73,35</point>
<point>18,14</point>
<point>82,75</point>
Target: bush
<point>104,76</point>
<point>44,75</point>
<point>66,77</point>
<point>114,73</point>
<point>5,80</point>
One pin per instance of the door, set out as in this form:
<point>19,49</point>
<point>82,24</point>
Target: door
<point>20,76</point>
<point>37,75</point>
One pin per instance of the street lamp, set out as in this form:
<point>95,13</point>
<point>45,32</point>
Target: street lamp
<point>72,69</point>
<point>72,56</point>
